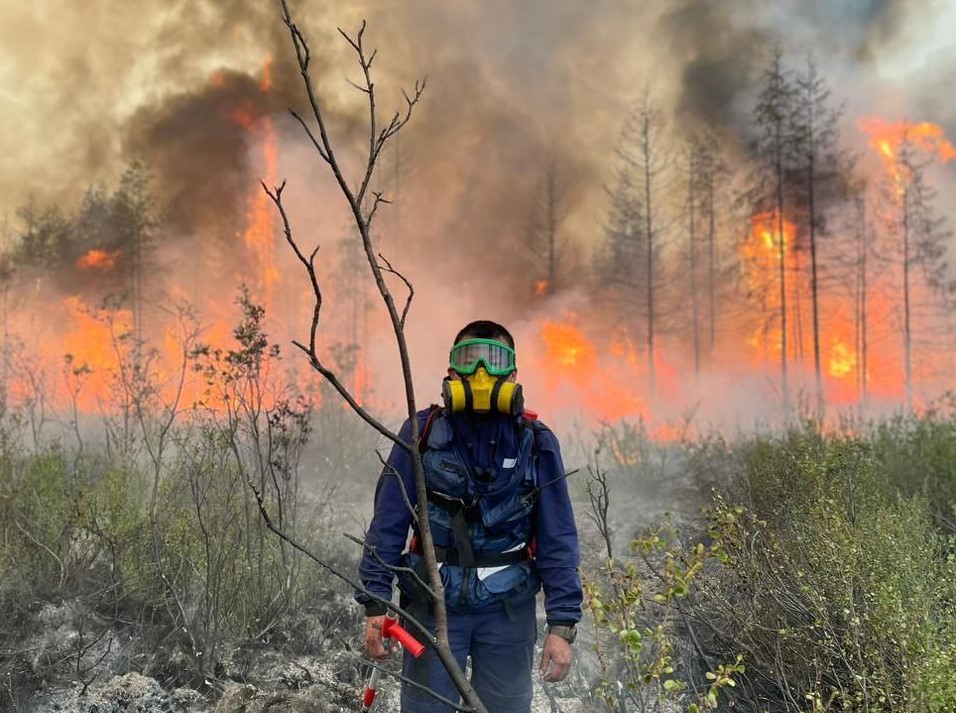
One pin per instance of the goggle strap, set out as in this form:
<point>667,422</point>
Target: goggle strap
<point>494,393</point>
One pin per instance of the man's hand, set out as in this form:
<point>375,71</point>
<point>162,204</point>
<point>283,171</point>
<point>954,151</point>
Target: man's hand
<point>373,638</point>
<point>556,659</point>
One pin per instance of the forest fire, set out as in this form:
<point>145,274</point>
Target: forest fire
<point>91,345</point>
<point>886,138</point>
<point>605,376</point>
<point>842,360</point>
<point>260,236</point>
<point>771,238</point>
<point>733,305</point>
<point>835,335</point>
<point>605,387</point>
<point>107,344</point>
<point>98,260</point>
<point>567,347</point>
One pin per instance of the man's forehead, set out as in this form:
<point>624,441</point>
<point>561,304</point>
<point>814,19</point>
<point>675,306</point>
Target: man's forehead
<point>500,339</point>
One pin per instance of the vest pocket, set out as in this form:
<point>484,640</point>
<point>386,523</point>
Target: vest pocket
<point>497,584</point>
<point>500,517</point>
<point>504,582</point>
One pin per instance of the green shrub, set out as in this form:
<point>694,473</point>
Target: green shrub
<point>823,578</point>
<point>838,588</point>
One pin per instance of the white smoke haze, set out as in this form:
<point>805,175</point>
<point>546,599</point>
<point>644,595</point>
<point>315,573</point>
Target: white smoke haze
<point>85,88</point>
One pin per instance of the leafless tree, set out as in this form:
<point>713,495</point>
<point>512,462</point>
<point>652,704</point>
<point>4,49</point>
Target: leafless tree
<point>363,203</point>
<point>820,166</point>
<point>921,246</point>
<point>652,163</point>
<point>772,162</point>
<point>703,168</point>
<point>544,243</point>
<point>638,227</point>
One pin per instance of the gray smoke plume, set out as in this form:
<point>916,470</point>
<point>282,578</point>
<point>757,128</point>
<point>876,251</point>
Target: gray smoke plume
<point>85,88</point>
<point>510,83</point>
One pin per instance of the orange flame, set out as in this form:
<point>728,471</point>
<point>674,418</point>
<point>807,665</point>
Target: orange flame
<point>886,138</point>
<point>842,360</point>
<point>566,346</point>
<point>98,260</point>
<point>761,256</point>
<point>541,288</point>
<point>261,234</point>
<point>245,117</point>
<point>578,375</point>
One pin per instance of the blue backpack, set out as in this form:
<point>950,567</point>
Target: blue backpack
<point>482,527</point>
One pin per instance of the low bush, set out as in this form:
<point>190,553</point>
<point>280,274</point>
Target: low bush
<point>822,578</point>
<point>839,579</point>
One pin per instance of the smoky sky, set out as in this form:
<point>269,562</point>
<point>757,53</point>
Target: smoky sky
<point>86,90</point>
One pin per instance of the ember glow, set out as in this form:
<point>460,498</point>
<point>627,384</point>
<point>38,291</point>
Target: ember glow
<point>567,349</point>
<point>98,260</point>
<point>210,121</point>
<point>261,217</point>
<point>761,254</point>
<point>886,138</point>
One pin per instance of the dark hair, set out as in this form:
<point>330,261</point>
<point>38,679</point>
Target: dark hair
<point>485,329</point>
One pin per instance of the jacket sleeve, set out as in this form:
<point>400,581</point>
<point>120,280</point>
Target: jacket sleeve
<point>557,553</point>
<point>388,530</point>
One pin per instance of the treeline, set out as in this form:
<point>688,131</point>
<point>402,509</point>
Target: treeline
<point>787,244</point>
<point>774,241</point>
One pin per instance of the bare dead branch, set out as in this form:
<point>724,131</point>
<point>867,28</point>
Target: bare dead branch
<point>315,142</point>
<point>375,204</point>
<point>309,264</point>
<point>330,376</point>
<point>357,42</point>
<point>373,145</point>
<point>310,351</point>
<point>362,89</point>
<point>355,200</point>
<point>267,518</point>
<point>303,55</point>
<point>372,550</point>
<point>599,497</point>
<point>400,276</point>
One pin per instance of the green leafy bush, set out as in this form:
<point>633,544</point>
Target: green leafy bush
<point>822,578</point>
<point>839,582</point>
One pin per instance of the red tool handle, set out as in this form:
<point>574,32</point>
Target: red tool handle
<point>392,629</point>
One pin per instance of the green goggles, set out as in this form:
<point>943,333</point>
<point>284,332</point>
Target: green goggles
<point>497,358</point>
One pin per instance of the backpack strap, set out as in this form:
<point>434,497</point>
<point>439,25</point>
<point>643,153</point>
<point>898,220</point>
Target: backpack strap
<point>434,413</point>
<point>529,419</point>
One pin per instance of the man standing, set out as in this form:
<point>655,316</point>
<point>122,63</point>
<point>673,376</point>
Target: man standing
<point>502,523</point>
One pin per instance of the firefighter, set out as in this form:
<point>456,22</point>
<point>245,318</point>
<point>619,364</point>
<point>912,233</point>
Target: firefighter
<point>502,522</point>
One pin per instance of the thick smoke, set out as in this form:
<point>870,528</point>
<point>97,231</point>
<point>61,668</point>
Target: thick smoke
<point>86,88</point>
<point>510,84</point>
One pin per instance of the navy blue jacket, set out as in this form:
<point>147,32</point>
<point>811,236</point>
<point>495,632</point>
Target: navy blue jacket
<point>483,439</point>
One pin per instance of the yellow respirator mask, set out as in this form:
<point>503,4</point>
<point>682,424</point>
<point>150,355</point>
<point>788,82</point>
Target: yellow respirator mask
<point>480,392</point>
